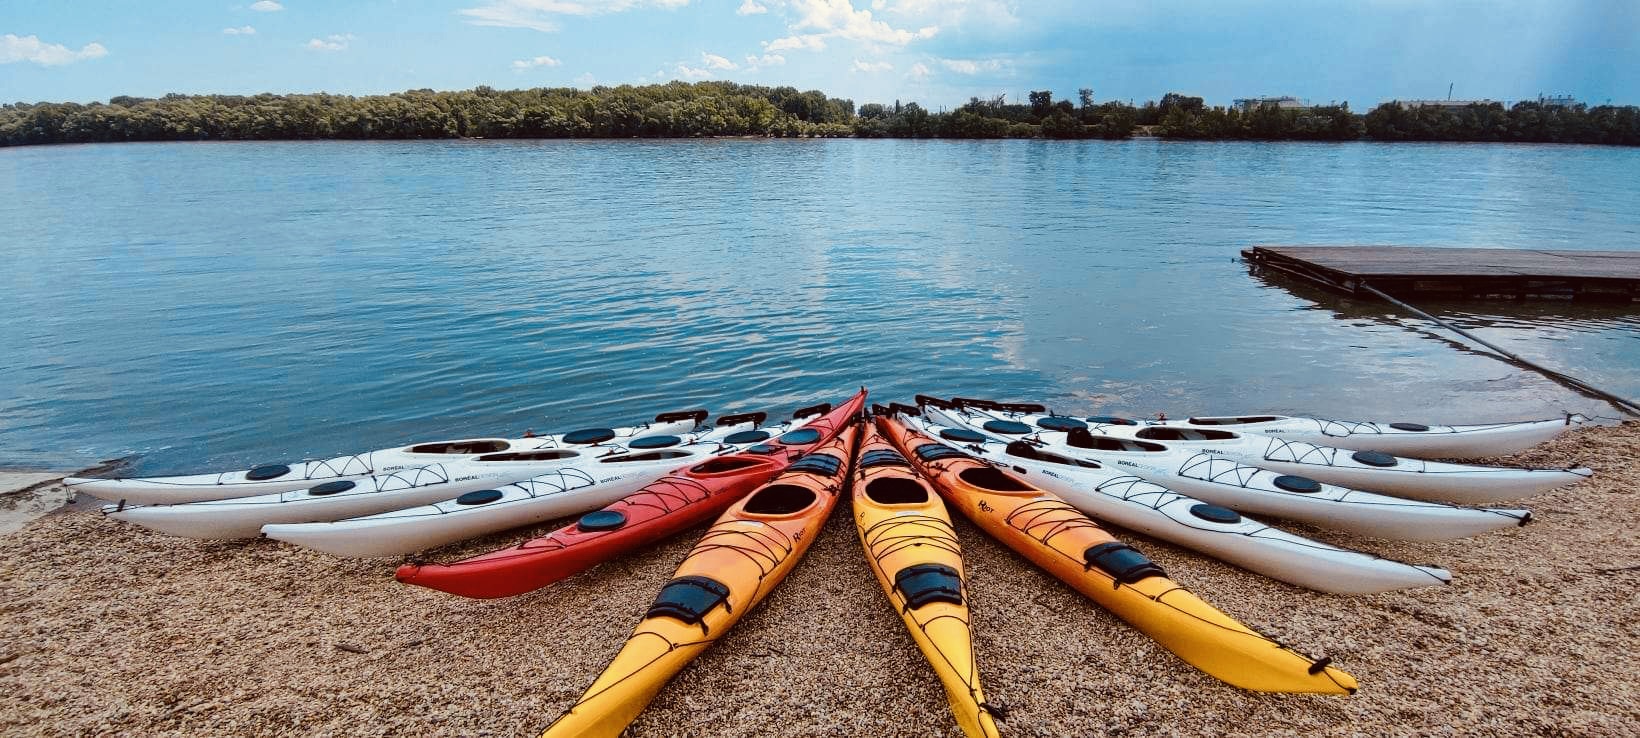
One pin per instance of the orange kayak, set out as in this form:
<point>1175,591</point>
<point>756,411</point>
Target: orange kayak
<point>1066,543</point>
<point>744,555</point>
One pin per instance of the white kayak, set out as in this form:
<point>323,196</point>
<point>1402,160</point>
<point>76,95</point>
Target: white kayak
<point>283,477</point>
<point>243,517</point>
<point>1365,470</point>
<point>1133,503</point>
<point>1249,489</point>
<point>1401,439</point>
<point>570,490</point>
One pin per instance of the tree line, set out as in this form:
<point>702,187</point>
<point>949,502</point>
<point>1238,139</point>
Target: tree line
<point>680,109</point>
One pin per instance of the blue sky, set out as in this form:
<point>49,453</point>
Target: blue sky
<point>939,52</point>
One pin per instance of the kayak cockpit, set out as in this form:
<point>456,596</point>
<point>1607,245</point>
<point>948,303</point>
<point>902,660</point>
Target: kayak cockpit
<point>465,447</point>
<point>780,500</point>
<point>1084,439</point>
<point>889,491</point>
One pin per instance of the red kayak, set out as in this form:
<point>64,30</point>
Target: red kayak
<point>680,500</point>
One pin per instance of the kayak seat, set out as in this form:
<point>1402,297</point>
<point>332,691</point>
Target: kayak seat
<point>266,472</point>
<point>1081,438</point>
<point>924,584</point>
<point>461,447</point>
<point>689,599</point>
<point>587,436</point>
<point>779,499</point>
<point>1122,562</point>
<point>937,451</point>
<point>988,478</point>
<point>896,491</point>
<point>1184,434</point>
<point>882,457</point>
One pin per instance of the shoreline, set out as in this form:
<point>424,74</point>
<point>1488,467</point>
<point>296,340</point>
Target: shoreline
<point>181,637</point>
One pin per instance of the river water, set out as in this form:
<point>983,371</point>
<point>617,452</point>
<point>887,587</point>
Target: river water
<point>218,305</point>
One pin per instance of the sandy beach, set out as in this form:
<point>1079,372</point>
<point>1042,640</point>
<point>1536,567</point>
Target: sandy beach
<point>108,629</point>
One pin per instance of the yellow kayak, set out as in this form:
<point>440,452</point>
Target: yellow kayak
<point>913,550</point>
<point>1068,544</point>
<point>748,551</point>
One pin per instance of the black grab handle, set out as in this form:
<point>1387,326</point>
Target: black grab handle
<point>753,418</point>
<point>699,416</point>
<point>936,402</point>
<point>820,409</point>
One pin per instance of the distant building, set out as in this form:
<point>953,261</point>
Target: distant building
<point>1285,102</point>
<point>1443,103</point>
<point>1558,101</point>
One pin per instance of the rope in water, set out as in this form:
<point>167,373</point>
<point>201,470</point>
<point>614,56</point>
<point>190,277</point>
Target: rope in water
<point>1626,405</point>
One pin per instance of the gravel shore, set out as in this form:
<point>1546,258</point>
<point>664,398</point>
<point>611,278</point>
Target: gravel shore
<point>110,629</point>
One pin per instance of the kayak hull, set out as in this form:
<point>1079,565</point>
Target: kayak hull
<point>1135,504</point>
<point>1400,439</point>
<point>1067,544</point>
<point>175,490</point>
<point>741,558</point>
<point>665,507</point>
<point>1225,481</point>
<point>907,536</point>
<point>1365,470</point>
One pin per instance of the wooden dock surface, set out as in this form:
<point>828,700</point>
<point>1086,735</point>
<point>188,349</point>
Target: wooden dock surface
<point>1463,273</point>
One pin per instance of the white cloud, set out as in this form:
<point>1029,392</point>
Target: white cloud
<point>713,61</point>
<point>266,6</point>
<point>767,60</point>
<point>974,66</point>
<point>810,41</point>
<point>240,31</point>
<point>333,42</point>
<point>871,67</point>
<point>919,71</point>
<point>687,72</point>
<point>818,20</point>
<point>535,61</point>
<point>541,15</point>
<point>586,79</point>
<point>32,49</point>
<point>751,7</point>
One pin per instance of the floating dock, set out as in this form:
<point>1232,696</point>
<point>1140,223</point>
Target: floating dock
<point>1460,273</point>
